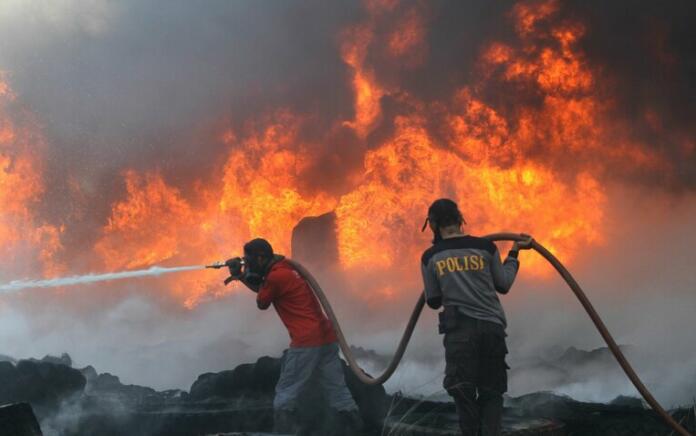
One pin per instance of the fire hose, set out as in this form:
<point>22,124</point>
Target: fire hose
<point>408,332</point>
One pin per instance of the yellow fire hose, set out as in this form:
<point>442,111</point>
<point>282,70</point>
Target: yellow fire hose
<point>570,281</point>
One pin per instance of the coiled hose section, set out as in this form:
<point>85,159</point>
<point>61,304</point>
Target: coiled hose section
<point>413,320</point>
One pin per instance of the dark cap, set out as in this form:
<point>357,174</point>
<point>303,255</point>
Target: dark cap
<point>444,212</point>
<point>258,247</point>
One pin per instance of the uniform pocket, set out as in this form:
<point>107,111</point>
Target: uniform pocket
<point>461,359</point>
<point>493,344</point>
<point>493,370</point>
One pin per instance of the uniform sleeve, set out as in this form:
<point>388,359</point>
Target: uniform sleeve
<point>267,293</point>
<point>433,293</point>
<point>504,273</point>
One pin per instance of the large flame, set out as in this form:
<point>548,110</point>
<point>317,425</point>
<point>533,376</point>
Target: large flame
<point>505,169</point>
<point>486,163</point>
<point>23,236</point>
<point>148,227</point>
<point>259,196</point>
<point>378,222</point>
<point>155,224</point>
<point>261,193</point>
<point>536,164</point>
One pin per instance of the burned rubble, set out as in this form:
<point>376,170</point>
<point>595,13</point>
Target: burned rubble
<point>18,419</point>
<point>42,383</point>
<point>69,401</point>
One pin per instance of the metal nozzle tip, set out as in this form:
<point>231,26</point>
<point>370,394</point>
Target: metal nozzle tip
<point>216,265</point>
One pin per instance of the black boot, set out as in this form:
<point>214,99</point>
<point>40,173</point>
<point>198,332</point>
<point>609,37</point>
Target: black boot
<point>284,421</point>
<point>350,422</point>
<point>491,411</point>
<point>468,412</point>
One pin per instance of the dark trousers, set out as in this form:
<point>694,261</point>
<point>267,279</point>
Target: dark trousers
<point>476,374</point>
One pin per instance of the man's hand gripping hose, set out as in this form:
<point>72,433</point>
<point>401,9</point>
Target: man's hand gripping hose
<point>562,271</point>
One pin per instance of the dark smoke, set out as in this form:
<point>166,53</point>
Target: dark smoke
<point>145,85</point>
<point>647,52</point>
<point>643,56</point>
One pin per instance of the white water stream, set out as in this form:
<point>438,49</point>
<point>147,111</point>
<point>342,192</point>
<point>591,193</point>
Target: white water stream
<point>17,285</point>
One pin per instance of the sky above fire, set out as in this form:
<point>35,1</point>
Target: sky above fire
<point>134,134</point>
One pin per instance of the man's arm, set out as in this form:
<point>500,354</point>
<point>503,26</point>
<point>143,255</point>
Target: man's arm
<point>266,292</point>
<point>252,287</point>
<point>433,293</point>
<point>504,273</point>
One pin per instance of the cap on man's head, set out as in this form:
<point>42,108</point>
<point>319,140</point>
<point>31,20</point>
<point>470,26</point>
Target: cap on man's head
<point>258,247</point>
<point>444,212</point>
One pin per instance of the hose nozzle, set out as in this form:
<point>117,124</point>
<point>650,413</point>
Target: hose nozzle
<point>216,265</point>
<point>221,264</point>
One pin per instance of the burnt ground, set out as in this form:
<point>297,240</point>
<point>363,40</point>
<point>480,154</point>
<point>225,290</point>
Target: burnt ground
<point>70,401</point>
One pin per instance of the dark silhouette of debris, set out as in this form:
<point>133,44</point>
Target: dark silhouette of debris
<point>18,420</point>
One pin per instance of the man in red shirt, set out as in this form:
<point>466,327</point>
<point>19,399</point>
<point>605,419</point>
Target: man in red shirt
<point>313,346</point>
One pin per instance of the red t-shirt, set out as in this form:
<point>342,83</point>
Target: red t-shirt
<point>297,306</point>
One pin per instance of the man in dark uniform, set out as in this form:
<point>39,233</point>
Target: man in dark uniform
<point>463,274</point>
<point>313,347</point>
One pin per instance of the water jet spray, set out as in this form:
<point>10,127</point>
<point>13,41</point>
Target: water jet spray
<point>155,271</point>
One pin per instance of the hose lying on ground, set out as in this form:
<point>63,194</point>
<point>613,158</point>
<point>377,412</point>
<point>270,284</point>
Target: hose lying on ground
<point>408,332</point>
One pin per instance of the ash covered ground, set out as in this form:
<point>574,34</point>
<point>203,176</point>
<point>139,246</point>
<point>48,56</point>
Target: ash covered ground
<point>82,401</point>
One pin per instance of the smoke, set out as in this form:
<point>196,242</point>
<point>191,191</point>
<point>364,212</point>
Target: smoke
<point>133,85</point>
<point>647,54</point>
<point>141,87</point>
<point>142,341</point>
<point>174,90</point>
<point>66,418</point>
<point>640,284</point>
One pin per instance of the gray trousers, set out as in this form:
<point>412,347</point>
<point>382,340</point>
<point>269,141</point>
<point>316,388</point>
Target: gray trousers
<point>298,366</point>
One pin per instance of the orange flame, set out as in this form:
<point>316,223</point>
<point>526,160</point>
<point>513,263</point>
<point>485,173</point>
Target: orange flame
<point>148,226</point>
<point>537,168</point>
<point>24,239</point>
<point>260,195</point>
<point>378,222</point>
<point>261,183</point>
<point>367,92</point>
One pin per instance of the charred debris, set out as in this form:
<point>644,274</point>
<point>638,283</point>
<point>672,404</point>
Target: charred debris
<point>51,397</point>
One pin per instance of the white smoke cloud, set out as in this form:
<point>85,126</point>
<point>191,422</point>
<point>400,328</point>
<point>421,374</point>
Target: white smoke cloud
<point>142,341</point>
<point>90,17</point>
